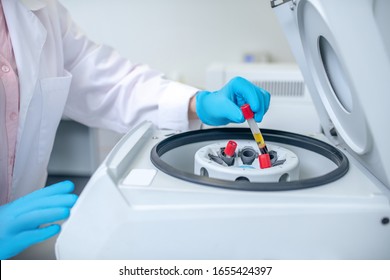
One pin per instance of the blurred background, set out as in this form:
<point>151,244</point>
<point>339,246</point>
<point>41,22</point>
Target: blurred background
<point>183,37</point>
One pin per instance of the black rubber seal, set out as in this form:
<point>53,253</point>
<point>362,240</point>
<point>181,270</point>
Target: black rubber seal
<point>276,136</point>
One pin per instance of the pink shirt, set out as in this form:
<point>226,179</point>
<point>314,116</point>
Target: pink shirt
<point>9,109</point>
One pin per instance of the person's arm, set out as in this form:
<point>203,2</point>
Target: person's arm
<point>192,115</point>
<point>111,92</point>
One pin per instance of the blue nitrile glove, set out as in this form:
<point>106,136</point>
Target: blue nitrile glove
<point>223,106</point>
<point>21,219</point>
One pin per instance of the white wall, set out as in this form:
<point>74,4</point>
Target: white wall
<point>183,37</point>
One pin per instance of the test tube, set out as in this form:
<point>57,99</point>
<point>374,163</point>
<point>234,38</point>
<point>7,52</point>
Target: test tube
<point>248,115</point>
<point>230,148</point>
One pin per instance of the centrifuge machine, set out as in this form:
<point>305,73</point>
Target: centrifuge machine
<point>166,195</point>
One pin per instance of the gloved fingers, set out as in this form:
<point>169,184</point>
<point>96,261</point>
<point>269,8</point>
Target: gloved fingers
<point>55,201</point>
<point>216,109</point>
<point>230,111</point>
<point>34,219</point>
<point>247,93</point>
<point>28,238</point>
<point>265,98</point>
<point>56,189</point>
<point>224,113</point>
<point>19,219</point>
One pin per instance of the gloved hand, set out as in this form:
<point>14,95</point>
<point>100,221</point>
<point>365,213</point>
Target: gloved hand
<point>223,106</point>
<point>21,219</point>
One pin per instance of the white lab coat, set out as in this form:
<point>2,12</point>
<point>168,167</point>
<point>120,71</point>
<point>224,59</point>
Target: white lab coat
<point>61,73</point>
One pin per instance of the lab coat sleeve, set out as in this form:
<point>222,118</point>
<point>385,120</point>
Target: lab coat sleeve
<point>109,91</point>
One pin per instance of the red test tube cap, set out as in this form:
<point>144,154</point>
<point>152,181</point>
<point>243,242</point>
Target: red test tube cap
<point>247,111</point>
<point>265,161</point>
<point>230,148</point>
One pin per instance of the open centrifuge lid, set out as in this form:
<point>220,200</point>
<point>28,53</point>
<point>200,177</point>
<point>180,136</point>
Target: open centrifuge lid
<point>282,137</point>
<point>343,50</point>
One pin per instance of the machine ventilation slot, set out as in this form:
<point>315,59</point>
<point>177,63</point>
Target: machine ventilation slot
<point>282,88</point>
